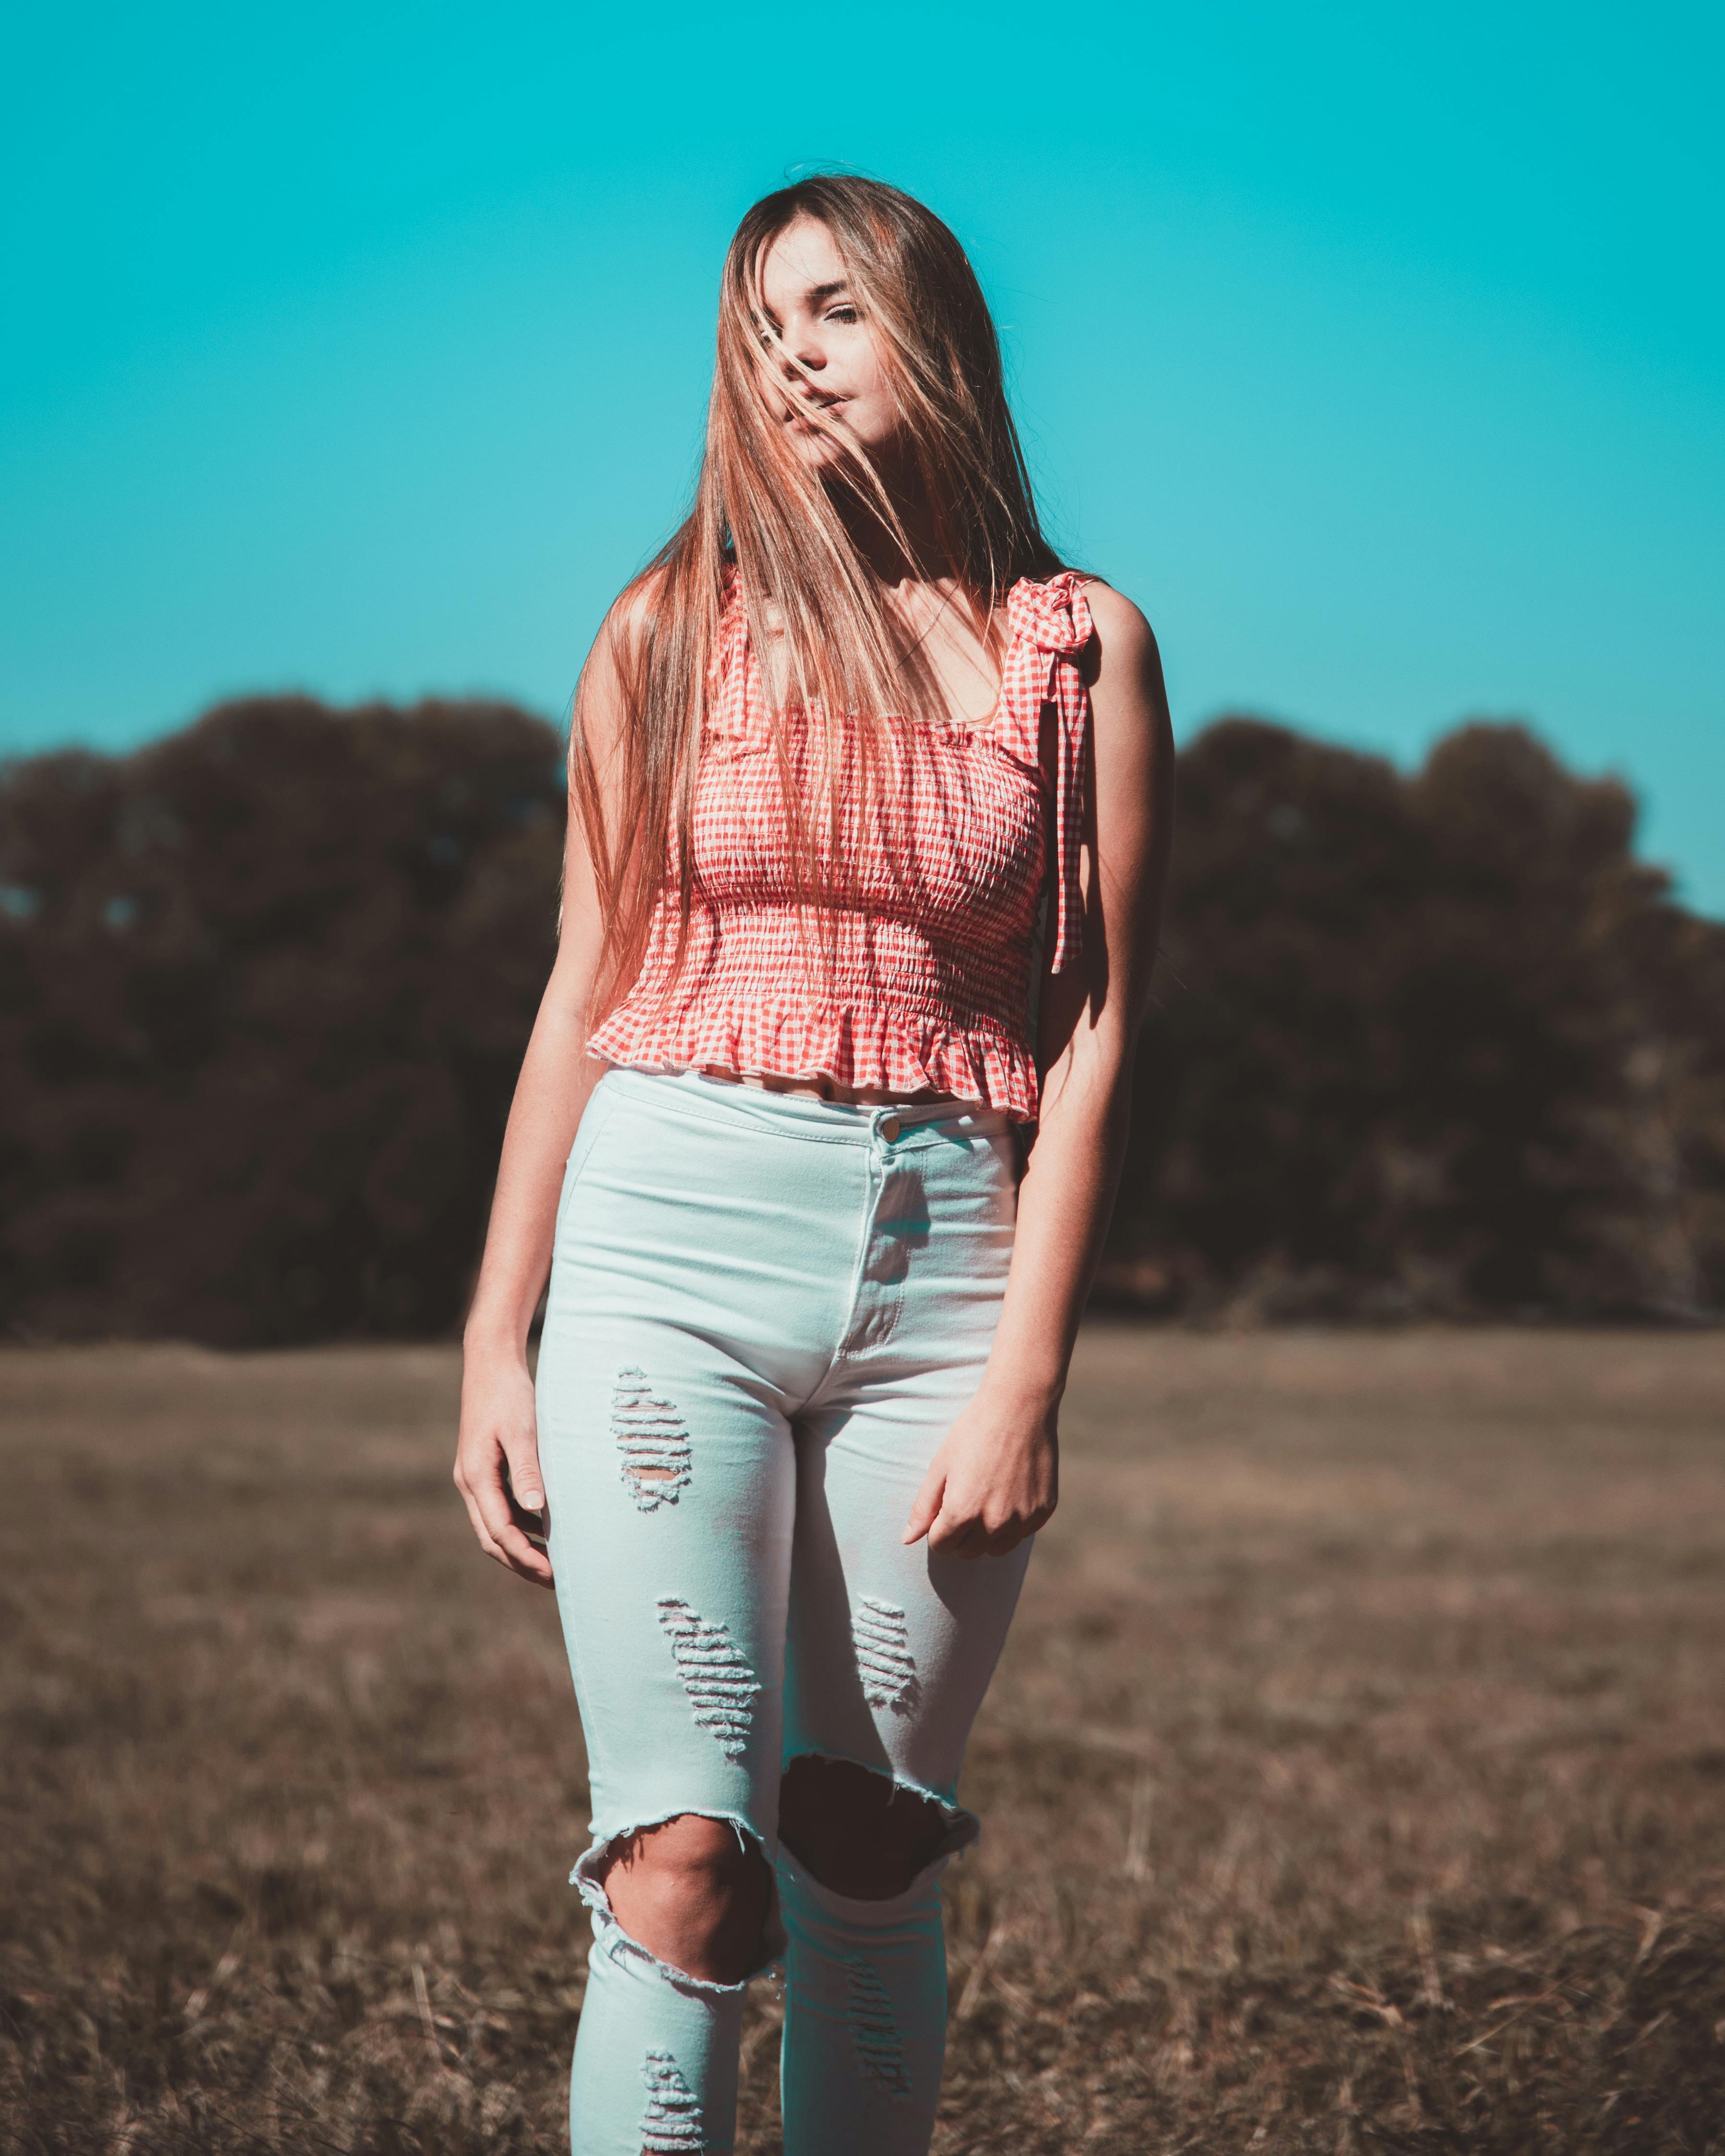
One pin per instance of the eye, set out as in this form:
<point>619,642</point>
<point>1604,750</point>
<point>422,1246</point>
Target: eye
<point>843,312</point>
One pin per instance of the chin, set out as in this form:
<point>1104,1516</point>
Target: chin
<point>817,449</point>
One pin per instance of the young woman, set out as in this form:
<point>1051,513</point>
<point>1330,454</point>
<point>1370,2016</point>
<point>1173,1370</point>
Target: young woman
<point>817,1137</point>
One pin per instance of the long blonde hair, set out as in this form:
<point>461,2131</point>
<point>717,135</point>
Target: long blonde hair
<point>761,509</point>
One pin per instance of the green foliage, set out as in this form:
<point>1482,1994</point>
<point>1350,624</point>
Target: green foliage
<point>264,990</point>
<point>1438,1043</point>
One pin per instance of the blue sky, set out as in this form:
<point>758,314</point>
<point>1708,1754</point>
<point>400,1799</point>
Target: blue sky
<point>1377,353</point>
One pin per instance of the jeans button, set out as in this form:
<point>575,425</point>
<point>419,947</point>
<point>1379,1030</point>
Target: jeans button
<point>888,1128</point>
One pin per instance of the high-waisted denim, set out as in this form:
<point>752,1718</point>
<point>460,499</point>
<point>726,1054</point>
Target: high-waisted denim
<point>766,1311</point>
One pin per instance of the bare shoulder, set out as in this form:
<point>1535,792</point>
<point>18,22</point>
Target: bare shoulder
<point>606,692</point>
<point>1125,644</point>
<point>631,613</point>
<point>1132,737</point>
<point>1123,669</point>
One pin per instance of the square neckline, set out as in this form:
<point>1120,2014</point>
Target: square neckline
<point>959,729</point>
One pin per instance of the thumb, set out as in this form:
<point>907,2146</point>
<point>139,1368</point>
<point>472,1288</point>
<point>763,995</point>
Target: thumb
<point>925,1510</point>
<point>525,1480</point>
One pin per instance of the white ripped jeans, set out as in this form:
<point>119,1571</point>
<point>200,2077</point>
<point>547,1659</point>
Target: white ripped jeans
<point>766,1311</point>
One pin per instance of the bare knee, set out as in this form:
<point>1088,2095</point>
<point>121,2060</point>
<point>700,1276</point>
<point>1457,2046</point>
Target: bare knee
<point>856,1830</point>
<point>693,1892</point>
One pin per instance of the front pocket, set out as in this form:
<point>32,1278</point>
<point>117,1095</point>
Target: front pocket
<point>598,1113</point>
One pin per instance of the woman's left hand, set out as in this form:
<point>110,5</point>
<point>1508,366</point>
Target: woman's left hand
<point>994,1481</point>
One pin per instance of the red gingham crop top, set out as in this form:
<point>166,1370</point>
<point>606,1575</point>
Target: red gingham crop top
<point>930,974</point>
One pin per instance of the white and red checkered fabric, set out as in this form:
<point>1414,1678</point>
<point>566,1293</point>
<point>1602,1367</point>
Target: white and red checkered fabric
<point>927,984</point>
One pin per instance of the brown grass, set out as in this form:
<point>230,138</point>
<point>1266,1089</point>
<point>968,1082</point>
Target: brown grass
<point>1353,1780</point>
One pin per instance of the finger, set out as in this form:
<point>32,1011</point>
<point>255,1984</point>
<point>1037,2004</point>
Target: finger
<point>541,1574</point>
<point>925,1507</point>
<point>485,1543</point>
<point>512,1546</point>
<point>474,1521</point>
<point>524,1561</point>
<point>944,1529</point>
<point>481,1533</point>
<point>520,1556</point>
<point>1019,1529</point>
<point>1005,1538</point>
<point>956,1536</point>
<point>525,1479</point>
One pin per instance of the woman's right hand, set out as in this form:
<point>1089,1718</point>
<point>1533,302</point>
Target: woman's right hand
<point>497,1461</point>
<point>497,1455</point>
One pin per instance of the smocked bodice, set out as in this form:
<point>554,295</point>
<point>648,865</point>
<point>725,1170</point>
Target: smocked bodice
<point>924,983</point>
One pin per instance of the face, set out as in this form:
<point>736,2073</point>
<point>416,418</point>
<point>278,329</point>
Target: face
<point>807,297</point>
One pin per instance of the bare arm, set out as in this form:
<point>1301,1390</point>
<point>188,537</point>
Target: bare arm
<point>994,1480</point>
<point>497,1453</point>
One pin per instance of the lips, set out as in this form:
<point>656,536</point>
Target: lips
<point>802,411</point>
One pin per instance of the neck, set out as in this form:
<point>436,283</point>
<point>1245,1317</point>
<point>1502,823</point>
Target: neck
<point>921,559</point>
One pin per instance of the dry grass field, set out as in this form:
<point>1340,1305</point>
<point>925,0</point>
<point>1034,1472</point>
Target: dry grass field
<point>1355,1780</point>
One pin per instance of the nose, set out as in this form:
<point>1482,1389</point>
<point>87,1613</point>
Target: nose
<point>796,353</point>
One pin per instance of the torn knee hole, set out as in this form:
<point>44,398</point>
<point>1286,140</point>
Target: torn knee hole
<point>710,1844</point>
<point>692,1893</point>
<point>857,1830</point>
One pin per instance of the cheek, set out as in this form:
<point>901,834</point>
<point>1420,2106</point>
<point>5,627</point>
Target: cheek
<point>874,412</point>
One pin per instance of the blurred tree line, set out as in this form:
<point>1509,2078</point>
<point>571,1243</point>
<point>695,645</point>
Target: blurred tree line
<point>1431,1044</point>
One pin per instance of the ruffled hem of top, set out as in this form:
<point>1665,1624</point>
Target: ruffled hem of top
<point>890,1051</point>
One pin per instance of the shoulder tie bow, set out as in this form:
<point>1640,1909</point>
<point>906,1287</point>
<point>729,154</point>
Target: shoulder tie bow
<point>1051,626</point>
